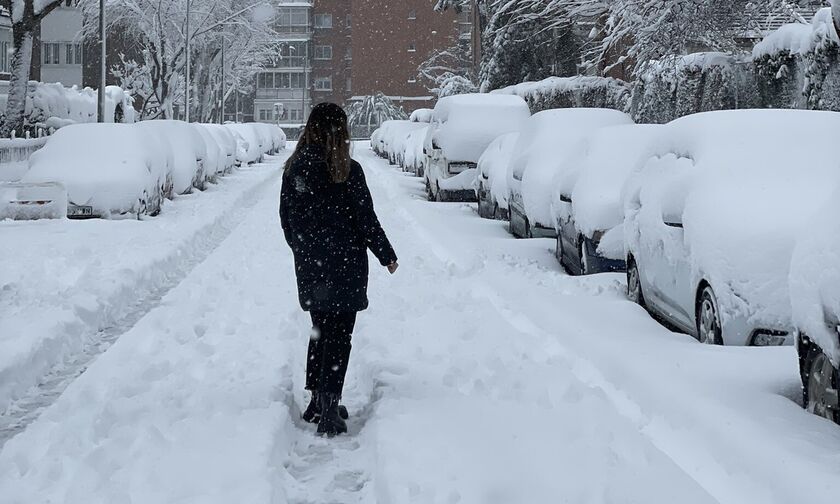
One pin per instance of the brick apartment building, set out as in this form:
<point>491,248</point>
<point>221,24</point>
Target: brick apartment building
<point>341,50</point>
<point>391,39</point>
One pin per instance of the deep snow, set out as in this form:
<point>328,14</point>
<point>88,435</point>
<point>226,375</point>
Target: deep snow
<point>481,374</point>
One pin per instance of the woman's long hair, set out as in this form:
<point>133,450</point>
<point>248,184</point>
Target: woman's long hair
<point>327,129</point>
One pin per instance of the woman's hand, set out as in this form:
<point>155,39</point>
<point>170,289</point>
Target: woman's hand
<point>392,268</point>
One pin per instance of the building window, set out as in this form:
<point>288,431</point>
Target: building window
<point>292,54</point>
<point>412,80</point>
<point>293,20</point>
<point>412,48</point>
<point>73,54</point>
<point>323,84</point>
<point>52,53</point>
<point>348,55</point>
<point>323,21</point>
<point>349,84</point>
<point>4,56</point>
<point>412,14</point>
<point>280,80</point>
<point>349,20</point>
<point>323,52</point>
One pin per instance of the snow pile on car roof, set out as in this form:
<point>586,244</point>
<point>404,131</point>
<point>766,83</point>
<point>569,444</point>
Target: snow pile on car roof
<point>548,140</point>
<point>470,122</point>
<point>423,115</point>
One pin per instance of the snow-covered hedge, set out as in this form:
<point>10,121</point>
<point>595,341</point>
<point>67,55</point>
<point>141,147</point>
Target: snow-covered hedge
<point>52,106</point>
<point>572,92</point>
<point>798,66</point>
<point>684,85</point>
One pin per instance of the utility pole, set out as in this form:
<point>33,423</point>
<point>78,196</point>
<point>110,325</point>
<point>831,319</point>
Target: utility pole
<point>224,85</point>
<point>103,67</point>
<point>187,80</point>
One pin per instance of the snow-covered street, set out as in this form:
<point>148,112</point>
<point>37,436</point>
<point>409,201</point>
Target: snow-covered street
<point>480,374</point>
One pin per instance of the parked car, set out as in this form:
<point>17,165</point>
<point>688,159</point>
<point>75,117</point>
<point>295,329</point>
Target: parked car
<point>587,204</point>
<point>711,221</point>
<point>249,150</point>
<point>227,142</point>
<point>391,137</point>
<point>815,299</point>
<point>414,160</point>
<point>549,145</point>
<point>107,169</point>
<point>189,151</point>
<point>491,184</point>
<point>462,128</point>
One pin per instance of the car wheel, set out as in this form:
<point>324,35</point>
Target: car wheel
<point>439,195</point>
<point>429,194</point>
<point>822,380</point>
<point>634,283</point>
<point>707,318</point>
<point>142,205</point>
<point>528,232</point>
<point>497,212</point>
<point>584,257</point>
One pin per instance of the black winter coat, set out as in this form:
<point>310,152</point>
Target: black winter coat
<point>329,227</point>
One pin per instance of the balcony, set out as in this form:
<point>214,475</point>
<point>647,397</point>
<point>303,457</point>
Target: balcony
<point>294,32</point>
<point>279,94</point>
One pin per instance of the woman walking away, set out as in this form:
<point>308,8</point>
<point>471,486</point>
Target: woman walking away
<point>329,222</point>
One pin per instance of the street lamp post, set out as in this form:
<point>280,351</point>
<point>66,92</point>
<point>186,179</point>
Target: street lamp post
<point>102,63</point>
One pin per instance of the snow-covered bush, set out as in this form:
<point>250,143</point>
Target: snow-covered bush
<point>678,86</point>
<point>572,92</point>
<point>367,114</point>
<point>52,106</point>
<point>723,199</point>
<point>798,66</point>
<point>117,174</point>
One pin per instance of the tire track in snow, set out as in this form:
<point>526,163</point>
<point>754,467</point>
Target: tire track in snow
<point>25,410</point>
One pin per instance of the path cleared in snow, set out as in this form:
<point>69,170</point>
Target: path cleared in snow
<point>481,374</point>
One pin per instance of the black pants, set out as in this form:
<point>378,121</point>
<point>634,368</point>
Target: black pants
<point>329,350</point>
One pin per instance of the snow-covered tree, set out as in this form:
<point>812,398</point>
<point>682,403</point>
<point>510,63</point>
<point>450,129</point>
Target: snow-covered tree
<point>457,5</point>
<point>835,14</point>
<point>372,111</point>
<point>26,16</point>
<point>244,28</point>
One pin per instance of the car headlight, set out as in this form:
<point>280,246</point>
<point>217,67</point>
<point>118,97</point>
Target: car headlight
<point>763,337</point>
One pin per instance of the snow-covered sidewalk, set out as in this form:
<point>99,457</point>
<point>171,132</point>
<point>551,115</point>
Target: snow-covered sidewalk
<point>480,374</point>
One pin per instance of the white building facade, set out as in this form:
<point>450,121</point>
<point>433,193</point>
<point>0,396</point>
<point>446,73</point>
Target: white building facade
<point>61,46</point>
<point>282,91</point>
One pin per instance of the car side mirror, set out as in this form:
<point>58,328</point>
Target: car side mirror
<point>673,221</point>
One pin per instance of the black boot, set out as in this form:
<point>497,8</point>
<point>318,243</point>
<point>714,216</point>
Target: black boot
<point>313,411</point>
<point>331,422</point>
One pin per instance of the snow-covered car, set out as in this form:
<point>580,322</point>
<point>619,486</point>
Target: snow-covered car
<point>587,203</point>
<point>249,150</point>
<point>189,152</point>
<point>815,299</point>
<point>391,138</point>
<point>423,115</point>
<point>461,128</point>
<point>399,144</point>
<point>107,170</point>
<point>227,141</point>
<point>491,184</point>
<point>216,157</point>
<point>376,144</point>
<point>165,153</point>
<point>711,220</point>
<point>548,147</point>
<point>413,160</point>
